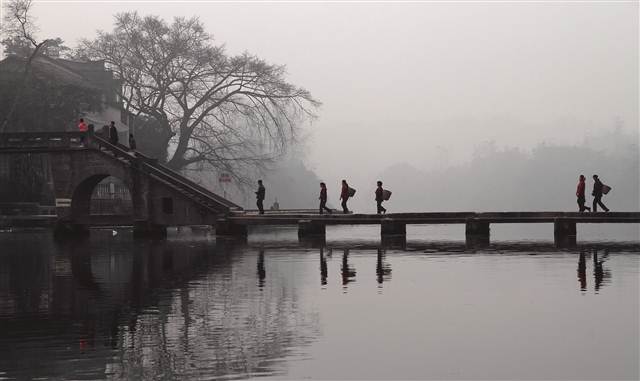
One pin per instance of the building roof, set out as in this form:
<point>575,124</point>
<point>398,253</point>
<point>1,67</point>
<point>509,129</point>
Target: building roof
<point>89,75</point>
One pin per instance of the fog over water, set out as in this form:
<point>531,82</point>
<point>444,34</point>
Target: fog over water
<point>422,83</point>
<point>461,106</point>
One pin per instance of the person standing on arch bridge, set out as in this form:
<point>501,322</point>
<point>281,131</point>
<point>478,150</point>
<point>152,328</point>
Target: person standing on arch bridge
<point>260,197</point>
<point>82,126</point>
<point>113,133</point>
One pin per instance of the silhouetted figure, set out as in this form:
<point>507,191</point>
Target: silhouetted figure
<point>261,271</point>
<point>260,197</point>
<point>582,271</point>
<point>597,194</point>
<point>323,268</point>
<point>344,196</point>
<point>132,143</point>
<point>380,198</point>
<point>580,194</point>
<point>113,134</point>
<point>323,198</point>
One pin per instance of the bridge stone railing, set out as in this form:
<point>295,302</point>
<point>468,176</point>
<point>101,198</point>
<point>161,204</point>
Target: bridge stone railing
<point>35,140</point>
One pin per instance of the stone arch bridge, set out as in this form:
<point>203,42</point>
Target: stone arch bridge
<point>78,161</point>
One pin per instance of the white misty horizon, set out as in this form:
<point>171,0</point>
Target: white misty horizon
<point>422,83</point>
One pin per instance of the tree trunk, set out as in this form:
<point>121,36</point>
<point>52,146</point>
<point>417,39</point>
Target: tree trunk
<point>177,161</point>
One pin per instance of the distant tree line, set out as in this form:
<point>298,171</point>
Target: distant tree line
<point>514,180</point>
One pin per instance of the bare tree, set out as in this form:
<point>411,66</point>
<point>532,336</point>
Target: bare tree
<point>19,24</point>
<point>225,111</point>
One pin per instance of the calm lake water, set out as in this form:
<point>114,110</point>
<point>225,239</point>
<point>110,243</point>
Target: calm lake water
<point>191,307</point>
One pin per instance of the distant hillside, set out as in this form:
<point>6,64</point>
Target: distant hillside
<point>509,179</point>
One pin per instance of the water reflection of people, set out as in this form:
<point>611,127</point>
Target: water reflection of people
<point>582,271</point>
<point>348,273</point>
<point>382,269</point>
<point>323,268</point>
<point>261,271</point>
<point>600,274</point>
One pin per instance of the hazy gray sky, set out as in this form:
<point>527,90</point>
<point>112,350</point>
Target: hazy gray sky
<point>419,82</point>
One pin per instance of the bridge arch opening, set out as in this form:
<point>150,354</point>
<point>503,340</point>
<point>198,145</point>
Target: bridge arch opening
<point>102,195</point>
<point>111,196</point>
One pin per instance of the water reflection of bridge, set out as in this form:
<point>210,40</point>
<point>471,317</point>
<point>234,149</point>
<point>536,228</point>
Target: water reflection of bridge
<point>137,310</point>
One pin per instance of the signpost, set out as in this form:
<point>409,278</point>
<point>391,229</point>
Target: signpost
<point>224,179</point>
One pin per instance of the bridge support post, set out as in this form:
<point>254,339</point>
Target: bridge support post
<point>389,227</point>
<point>477,232</point>
<point>394,242</point>
<point>145,229</point>
<point>226,228</point>
<point>564,232</point>
<point>311,229</point>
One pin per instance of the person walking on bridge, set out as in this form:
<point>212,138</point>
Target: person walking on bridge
<point>344,196</point>
<point>380,198</point>
<point>580,194</point>
<point>260,197</point>
<point>323,198</point>
<point>598,191</point>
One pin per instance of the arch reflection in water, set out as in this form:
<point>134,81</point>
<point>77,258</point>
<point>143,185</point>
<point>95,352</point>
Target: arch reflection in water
<point>142,310</point>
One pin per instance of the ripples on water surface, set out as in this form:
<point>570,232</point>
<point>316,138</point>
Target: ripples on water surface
<point>190,307</point>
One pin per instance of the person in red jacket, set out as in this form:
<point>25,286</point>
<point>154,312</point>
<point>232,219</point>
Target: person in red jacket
<point>580,194</point>
<point>344,196</point>
<point>82,126</point>
<point>323,198</point>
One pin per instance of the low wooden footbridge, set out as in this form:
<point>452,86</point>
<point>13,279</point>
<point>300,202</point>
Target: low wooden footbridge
<point>477,225</point>
<point>162,197</point>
